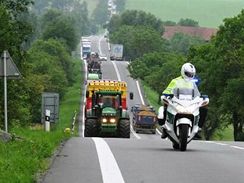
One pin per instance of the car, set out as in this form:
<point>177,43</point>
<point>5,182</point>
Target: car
<point>102,58</point>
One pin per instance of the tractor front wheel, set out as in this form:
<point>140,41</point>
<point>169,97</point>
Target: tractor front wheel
<point>124,128</point>
<point>91,128</point>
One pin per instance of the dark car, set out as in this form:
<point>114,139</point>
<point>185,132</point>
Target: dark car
<point>144,118</point>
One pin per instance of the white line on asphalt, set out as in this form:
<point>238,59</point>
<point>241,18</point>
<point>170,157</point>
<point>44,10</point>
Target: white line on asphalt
<point>109,167</point>
<point>116,70</point>
<point>134,133</point>
<point>139,90</point>
<point>222,144</point>
<point>157,130</point>
<point>84,102</point>
<point>237,147</point>
<point>119,78</point>
<point>99,45</point>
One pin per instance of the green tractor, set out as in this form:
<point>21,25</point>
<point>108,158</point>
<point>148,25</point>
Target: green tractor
<point>107,114</point>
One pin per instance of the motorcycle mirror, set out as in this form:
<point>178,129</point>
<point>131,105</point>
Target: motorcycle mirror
<point>131,95</point>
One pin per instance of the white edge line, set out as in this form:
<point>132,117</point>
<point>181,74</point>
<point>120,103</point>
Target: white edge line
<point>109,167</point>
<point>99,46</point>
<point>222,144</point>
<point>84,102</point>
<point>134,133</point>
<point>139,90</point>
<point>157,130</point>
<point>116,70</point>
<point>119,78</point>
<point>237,147</point>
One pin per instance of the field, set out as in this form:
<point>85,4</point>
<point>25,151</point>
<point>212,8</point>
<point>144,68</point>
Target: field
<point>208,13</point>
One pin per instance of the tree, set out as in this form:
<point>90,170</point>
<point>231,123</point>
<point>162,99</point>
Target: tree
<point>101,14</point>
<point>136,18</point>
<point>181,43</point>
<point>61,27</point>
<point>157,69</point>
<point>188,22</point>
<point>223,73</point>
<point>138,40</point>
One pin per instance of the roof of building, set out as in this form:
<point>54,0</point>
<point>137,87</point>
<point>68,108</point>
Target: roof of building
<point>202,32</point>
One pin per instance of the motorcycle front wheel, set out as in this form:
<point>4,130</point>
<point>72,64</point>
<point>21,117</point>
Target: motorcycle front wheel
<point>183,135</point>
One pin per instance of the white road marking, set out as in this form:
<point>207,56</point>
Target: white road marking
<point>99,46</point>
<point>134,133</point>
<point>219,143</point>
<point>139,90</point>
<point>117,71</point>
<point>109,167</point>
<point>119,78</point>
<point>84,102</point>
<point>157,130</point>
<point>237,147</point>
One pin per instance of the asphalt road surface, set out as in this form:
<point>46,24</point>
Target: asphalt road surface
<point>144,158</point>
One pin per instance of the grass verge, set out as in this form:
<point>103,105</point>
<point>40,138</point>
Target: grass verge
<point>21,160</point>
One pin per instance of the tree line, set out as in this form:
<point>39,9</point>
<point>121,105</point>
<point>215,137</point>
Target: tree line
<point>219,63</point>
<point>40,36</point>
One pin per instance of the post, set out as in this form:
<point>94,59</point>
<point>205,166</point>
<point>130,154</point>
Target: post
<point>47,120</point>
<point>5,91</point>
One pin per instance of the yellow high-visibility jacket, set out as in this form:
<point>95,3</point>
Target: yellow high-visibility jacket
<point>180,82</point>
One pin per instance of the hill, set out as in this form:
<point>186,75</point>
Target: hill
<point>209,13</point>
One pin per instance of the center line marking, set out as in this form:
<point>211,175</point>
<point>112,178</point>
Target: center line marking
<point>117,71</point>
<point>109,167</point>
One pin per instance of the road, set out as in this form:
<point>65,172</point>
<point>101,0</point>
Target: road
<point>144,158</point>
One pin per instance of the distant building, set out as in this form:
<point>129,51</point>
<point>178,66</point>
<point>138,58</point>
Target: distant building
<point>202,32</point>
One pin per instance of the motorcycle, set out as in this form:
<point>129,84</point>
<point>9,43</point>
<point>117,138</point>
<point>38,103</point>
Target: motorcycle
<point>182,117</point>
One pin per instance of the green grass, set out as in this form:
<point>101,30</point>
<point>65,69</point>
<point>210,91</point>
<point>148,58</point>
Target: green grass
<point>151,96</point>
<point>225,134</point>
<point>209,13</point>
<point>21,160</point>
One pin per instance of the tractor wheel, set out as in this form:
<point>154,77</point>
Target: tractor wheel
<point>91,128</point>
<point>124,128</point>
<point>183,135</point>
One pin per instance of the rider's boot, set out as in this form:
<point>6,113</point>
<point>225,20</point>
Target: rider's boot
<point>164,134</point>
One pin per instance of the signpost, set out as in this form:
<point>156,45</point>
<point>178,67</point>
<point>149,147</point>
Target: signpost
<point>7,69</point>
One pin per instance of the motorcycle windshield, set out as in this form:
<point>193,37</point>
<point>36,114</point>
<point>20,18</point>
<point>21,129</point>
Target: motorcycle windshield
<point>186,93</point>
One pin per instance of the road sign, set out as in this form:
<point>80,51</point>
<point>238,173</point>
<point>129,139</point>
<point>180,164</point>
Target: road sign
<point>50,101</point>
<point>11,69</point>
<point>7,69</point>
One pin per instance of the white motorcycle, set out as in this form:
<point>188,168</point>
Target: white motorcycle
<point>182,117</point>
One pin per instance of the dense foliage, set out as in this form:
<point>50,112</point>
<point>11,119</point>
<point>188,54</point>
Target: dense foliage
<point>101,13</point>
<point>41,51</point>
<point>139,32</point>
<point>219,64</point>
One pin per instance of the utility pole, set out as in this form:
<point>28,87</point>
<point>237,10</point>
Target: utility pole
<point>5,91</point>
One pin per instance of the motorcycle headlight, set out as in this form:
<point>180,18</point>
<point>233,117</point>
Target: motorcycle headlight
<point>181,109</point>
<point>112,120</point>
<point>104,120</point>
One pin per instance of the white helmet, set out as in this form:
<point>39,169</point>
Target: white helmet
<point>188,71</point>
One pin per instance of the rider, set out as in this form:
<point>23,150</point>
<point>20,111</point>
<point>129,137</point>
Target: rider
<point>188,72</point>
